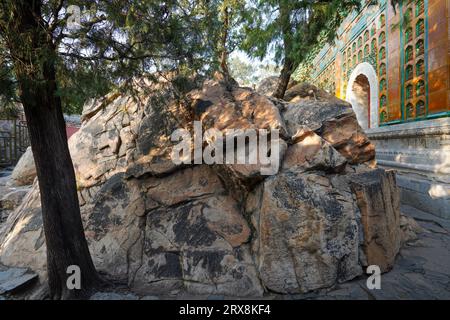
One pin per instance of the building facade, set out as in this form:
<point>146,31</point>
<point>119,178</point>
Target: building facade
<point>393,65</point>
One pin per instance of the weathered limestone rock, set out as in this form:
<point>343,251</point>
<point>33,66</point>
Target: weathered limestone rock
<point>312,152</point>
<point>223,229</point>
<point>240,109</point>
<point>114,296</point>
<point>196,247</point>
<point>305,90</point>
<point>335,121</point>
<point>267,86</point>
<point>22,242</point>
<point>14,279</point>
<point>410,229</point>
<point>379,201</point>
<point>13,198</point>
<point>307,233</point>
<point>25,171</point>
<point>164,234</point>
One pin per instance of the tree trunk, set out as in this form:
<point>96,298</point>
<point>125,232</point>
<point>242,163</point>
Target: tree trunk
<point>289,64</point>
<point>285,77</point>
<point>224,52</point>
<point>34,65</point>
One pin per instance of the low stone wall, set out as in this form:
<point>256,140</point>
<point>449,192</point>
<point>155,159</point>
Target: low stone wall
<point>420,153</point>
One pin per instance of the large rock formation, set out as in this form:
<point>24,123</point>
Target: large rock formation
<point>25,171</point>
<point>225,228</point>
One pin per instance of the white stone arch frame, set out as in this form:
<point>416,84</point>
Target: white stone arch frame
<point>367,70</point>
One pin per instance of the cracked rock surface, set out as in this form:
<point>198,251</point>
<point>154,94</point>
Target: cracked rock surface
<point>223,230</point>
<point>421,270</point>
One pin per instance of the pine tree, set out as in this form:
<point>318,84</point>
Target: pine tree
<point>291,29</point>
<point>46,43</point>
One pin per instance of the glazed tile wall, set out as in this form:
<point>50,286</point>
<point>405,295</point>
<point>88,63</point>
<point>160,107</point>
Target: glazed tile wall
<point>394,74</point>
<point>438,56</point>
<point>401,103</point>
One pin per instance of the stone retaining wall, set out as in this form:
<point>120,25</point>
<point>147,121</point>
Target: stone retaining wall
<point>420,153</point>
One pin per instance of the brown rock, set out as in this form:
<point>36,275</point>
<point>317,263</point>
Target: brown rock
<point>223,229</point>
<point>335,121</point>
<point>24,172</point>
<point>410,229</point>
<point>306,232</point>
<point>312,152</point>
<point>378,199</point>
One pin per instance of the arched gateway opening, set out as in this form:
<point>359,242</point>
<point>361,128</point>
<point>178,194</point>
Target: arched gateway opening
<point>361,99</point>
<point>362,93</point>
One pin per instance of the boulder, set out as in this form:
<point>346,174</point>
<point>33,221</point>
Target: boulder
<point>267,86</point>
<point>410,229</point>
<point>114,296</point>
<point>14,198</point>
<point>311,151</point>
<point>335,121</point>
<point>304,90</point>
<point>25,170</point>
<point>379,202</point>
<point>222,229</point>
<point>12,280</point>
<point>10,196</point>
<point>307,234</point>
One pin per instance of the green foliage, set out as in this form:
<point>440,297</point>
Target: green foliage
<point>117,41</point>
<point>7,86</point>
<point>243,72</point>
<point>77,85</point>
<point>292,28</point>
<point>250,73</point>
<point>8,90</point>
<point>237,12</point>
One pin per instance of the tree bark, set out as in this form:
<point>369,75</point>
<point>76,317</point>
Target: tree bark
<point>285,77</point>
<point>224,52</point>
<point>34,65</point>
<point>289,64</point>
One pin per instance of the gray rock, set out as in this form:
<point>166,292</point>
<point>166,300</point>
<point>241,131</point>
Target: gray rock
<point>268,86</point>
<point>12,199</point>
<point>25,170</point>
<point>308,91</point>
<point>222,230</point>
<point>150,298</point>
<point>215,297</point>
<point>15,279</point>
<point>334,121</point>
<point>378,199</point>
<point>4,173</point>
<point>307,234</point>
<point>113,296</point>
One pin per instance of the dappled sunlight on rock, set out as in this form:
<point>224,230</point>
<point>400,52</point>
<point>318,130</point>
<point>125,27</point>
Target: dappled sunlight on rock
<point>229,228</point>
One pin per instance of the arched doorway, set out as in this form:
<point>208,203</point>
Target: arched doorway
<point>362,93</point>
